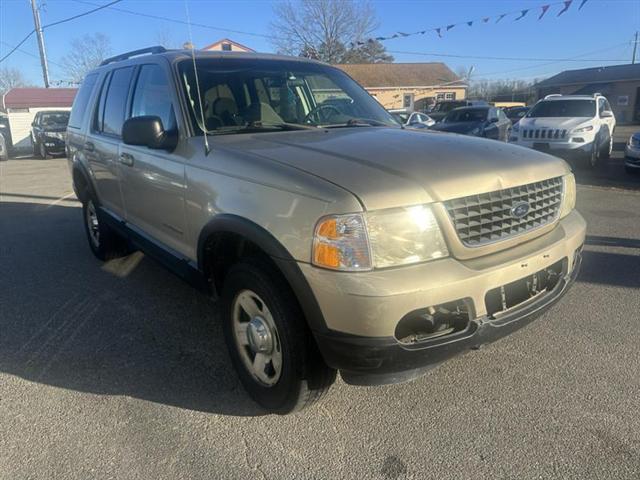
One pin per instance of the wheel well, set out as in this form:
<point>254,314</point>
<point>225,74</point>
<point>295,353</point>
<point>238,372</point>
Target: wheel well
<point>224,249</point>
<point>80,184</point>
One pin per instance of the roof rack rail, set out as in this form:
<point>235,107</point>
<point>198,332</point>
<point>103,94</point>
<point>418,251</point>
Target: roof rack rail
<point>597,94</point>
<point>134,53</point>
<point>553,95</point>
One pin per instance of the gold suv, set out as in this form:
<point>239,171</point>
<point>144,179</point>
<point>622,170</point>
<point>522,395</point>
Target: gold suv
<point>333,238</point>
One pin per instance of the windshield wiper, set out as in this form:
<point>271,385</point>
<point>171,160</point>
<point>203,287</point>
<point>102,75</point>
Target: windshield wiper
<point>261,127</point>
<point>357,122</point>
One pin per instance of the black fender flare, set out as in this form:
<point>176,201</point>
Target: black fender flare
<point>81,169</point>
<point>288,266</point>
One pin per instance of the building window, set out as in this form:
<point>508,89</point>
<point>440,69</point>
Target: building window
<point>439,96</point>
<point>226,47</point>
<point>407,100</point>
<point>450,96</point>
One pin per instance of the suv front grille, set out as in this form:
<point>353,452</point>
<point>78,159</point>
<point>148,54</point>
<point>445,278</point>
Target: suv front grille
<point>544,133</point>
<point>489,217</point>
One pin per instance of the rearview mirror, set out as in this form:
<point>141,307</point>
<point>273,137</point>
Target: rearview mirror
<point>148,131</point>
<point>606,114</point>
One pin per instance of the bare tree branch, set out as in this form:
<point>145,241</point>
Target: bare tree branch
<point>85,54</point>
<point>11,78</point>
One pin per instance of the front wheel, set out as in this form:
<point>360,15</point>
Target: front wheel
<point>43,151</point>
<point>271,348</point>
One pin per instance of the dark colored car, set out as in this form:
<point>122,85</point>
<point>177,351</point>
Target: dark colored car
<point>489,122</point>
<point>440,109</point>
<point>516,113</point>
<point>49,132</point>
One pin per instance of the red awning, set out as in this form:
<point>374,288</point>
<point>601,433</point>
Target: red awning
<point>39,97</point>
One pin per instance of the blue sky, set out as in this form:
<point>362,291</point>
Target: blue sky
<point>605,27</point>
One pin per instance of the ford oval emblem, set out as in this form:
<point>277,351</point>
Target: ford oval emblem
<point>519,210</point>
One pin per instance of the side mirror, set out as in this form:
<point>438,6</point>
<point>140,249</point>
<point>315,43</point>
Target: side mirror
<point>606,114</point>
<point>148,131</point>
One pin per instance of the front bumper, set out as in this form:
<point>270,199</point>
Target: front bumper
<point>567,150</point>
<point>632,156</point>
<point>363,310</point>
<point>54,145</point>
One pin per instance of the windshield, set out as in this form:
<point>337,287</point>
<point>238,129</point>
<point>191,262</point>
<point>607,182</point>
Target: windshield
<point>249,95</point>
<point>564,108</point>
<point>467,115</point>
<point>448,106</point>
<point>55,119</point>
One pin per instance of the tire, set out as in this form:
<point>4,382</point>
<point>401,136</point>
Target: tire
<point>104,242</point>
<point>42,151</point>
<point>605,152</point>
<point>593,157</point>
<point>631,171</point>
<point>293,374</point>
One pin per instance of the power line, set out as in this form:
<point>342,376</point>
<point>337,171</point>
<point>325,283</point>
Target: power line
<point>178,21</point>
<point>25,52</point>
<point>58,23</point>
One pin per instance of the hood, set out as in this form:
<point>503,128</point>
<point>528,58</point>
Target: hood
<point>565,123</point>
<point>391,167</point>
<point>457,127</point>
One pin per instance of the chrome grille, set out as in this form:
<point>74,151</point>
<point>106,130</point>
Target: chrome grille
<point>488,218</point>
<point>546,134</point>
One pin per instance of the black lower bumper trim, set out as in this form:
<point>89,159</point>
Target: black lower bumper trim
<point>383,360</point>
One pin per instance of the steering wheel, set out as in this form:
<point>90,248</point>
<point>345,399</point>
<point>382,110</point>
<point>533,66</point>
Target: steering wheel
<point>318,109</point>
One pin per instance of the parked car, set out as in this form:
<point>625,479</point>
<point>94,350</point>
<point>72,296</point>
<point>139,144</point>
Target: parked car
<point>4,153</point>
<point>489,122</point>
<point>441,108</point>
<point>415,120</point>
<point>5,132</point>
<point>516,113</point>
<point>332,239</point>
<point>49,132</point>
<point>571,126</point>
<point>632,154</point>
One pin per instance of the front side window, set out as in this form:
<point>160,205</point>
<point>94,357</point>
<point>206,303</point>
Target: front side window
<point>115,102</point>
<point>564,108</point>
<point>152,96</point>
<point>240,95</point>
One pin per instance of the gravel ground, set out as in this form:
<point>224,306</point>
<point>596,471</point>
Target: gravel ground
<point>120,371</point>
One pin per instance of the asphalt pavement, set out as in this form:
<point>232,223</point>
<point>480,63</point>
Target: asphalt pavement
<point>119,370</point>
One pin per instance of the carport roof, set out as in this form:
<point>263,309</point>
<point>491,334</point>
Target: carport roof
<point>613,73</point>
<point>385,75</point>
<point>39,97</point>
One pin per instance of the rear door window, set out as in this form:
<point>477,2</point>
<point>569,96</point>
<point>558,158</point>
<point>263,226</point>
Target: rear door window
<point>115,103</point>
<point>81,101</point>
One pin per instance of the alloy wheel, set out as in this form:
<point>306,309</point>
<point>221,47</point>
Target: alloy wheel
<point>93,226</point>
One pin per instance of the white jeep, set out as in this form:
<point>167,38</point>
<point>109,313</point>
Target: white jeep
<point>570,126</point>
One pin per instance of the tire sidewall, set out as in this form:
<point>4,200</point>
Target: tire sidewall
<point>281,397</point>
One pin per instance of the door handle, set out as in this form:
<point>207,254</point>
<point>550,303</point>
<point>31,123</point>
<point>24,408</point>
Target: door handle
<point>89,147</point>
<point>126,159</point>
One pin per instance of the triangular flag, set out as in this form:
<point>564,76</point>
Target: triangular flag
<point>501,17</point>
<point>438,30</point>
<point>485,19</point>
<point>470,23</point>
<point>449,27</point>
<point>403,34</point>
<point>422,32</point>
<point>395,35</point>
<point>567,4</point>
<point>380,38</point>
<point>544,10</point>
<point>522,14</point>
<point>582,4</point>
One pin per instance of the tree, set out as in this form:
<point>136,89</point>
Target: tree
<point>327,30</point>
<point>164,37</point>
<point>11,78</point>
<point>86,53</point>
<point>370,52</point>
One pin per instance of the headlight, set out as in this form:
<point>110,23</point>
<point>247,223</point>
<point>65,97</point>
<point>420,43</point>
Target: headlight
<point>568,195</point>
<point>588,128</point>
<point>475,131</point>
<point>378,239</point>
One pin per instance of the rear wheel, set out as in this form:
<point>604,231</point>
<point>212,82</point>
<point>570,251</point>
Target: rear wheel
<point>269,343</point>
<point>104,242</point>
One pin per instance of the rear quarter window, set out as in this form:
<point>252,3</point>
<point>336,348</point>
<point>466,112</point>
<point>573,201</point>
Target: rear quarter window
<point>79,107</point>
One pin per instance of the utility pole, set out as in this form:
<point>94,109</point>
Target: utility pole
<point>635,47</point>
<point>43,53</point>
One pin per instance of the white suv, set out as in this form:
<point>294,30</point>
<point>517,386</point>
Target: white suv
<point>570,126</point>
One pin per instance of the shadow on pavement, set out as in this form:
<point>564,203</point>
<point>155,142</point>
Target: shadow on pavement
<point>132,329</point>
